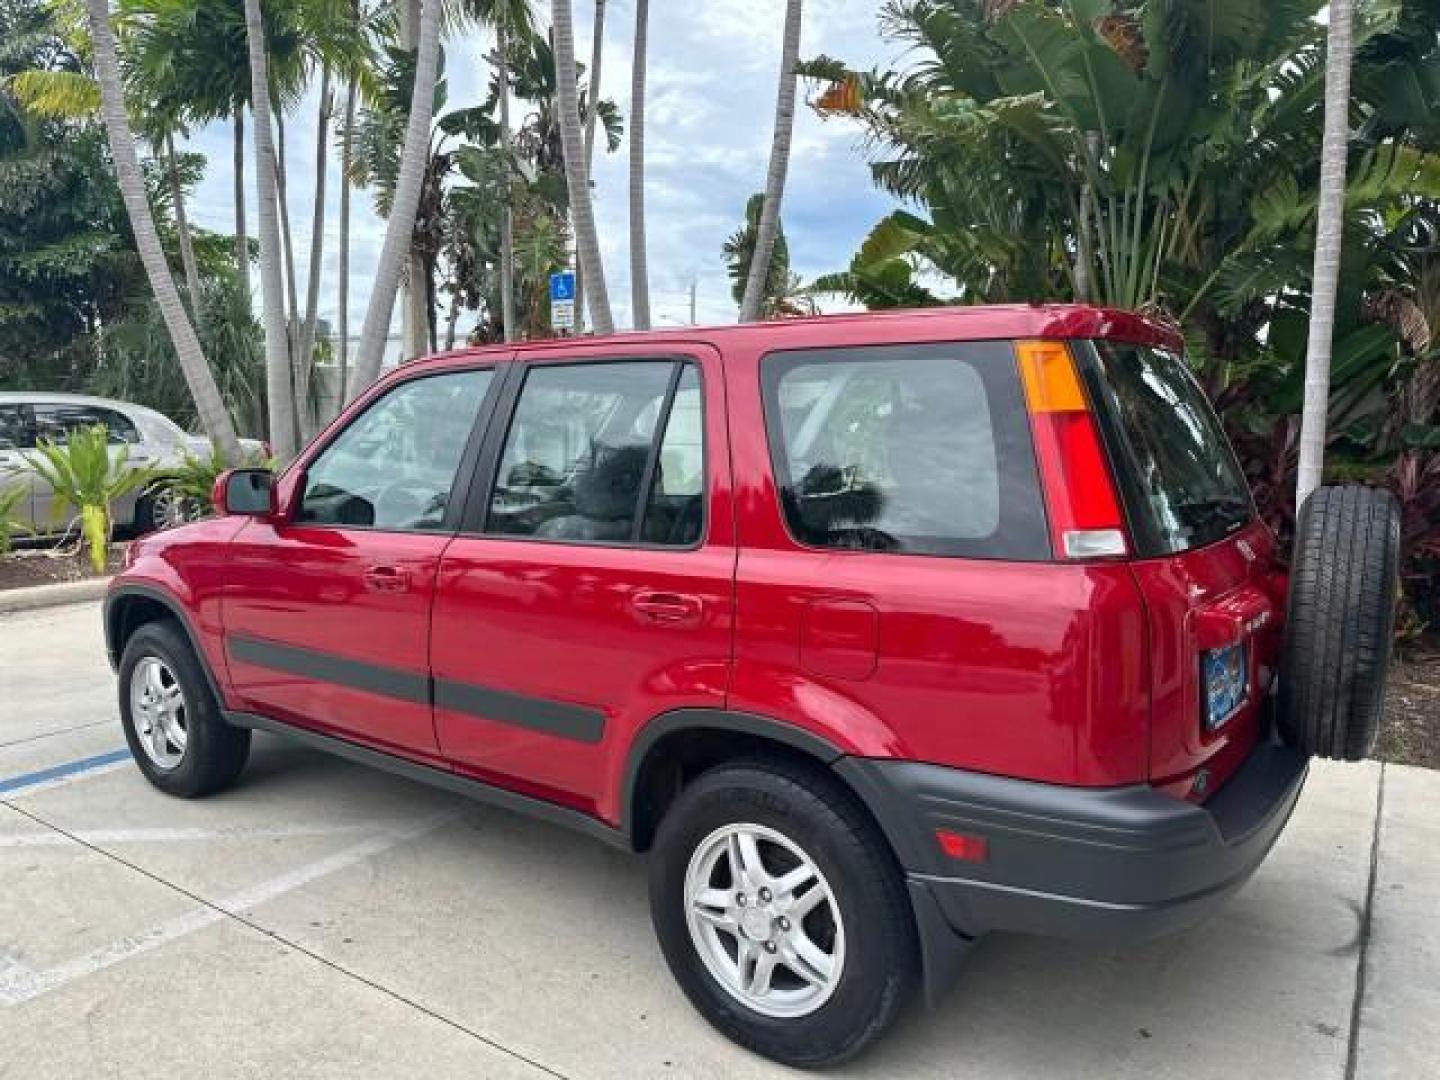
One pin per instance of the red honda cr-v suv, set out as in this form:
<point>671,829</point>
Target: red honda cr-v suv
<point>877,632</point>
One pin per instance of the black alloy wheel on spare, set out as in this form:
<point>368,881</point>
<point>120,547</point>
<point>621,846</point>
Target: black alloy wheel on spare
<point>1343,588</point>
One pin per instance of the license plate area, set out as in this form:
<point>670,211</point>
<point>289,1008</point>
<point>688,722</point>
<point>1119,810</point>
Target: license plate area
<point>1225,677</point>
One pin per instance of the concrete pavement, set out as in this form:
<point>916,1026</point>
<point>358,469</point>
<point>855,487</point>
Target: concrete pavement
<point>324,920</point>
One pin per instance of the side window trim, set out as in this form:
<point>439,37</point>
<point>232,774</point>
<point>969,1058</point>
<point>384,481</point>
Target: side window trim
<point>657,447</point>
<point>477,504</point>
<point>450,521</point>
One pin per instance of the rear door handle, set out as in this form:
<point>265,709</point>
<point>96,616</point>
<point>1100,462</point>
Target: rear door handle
<point>387,579</point>
<point>668,608</point>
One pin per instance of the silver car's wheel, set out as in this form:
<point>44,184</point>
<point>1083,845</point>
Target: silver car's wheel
<point>764,920</point>
<point>165,507</point>
<point>157,706</point>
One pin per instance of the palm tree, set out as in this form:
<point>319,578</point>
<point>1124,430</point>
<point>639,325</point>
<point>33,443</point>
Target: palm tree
<point>193,364</point>
<point>278,383</point>
<point>507,212</point>
<point>779,165</point>
<point>1329,225</point>
<point>242,236</point>
<point>577,178</point>
<point>785,295</point>
<point>511,19</point>
<point>414,157</point>
<point>347,148</point>
<point>305,351</point>
<point>597,54</point>
<point>639,268</point>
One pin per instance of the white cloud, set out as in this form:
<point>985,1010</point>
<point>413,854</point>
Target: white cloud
<point>710,110</point>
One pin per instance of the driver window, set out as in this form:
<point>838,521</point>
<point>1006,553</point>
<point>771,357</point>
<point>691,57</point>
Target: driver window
<point>393,467</point>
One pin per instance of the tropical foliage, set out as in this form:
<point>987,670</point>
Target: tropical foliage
<point>88,476</point>
<point>1164,155</point>
<point>783,294</point>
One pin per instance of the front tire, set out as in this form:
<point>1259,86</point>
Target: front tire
<point>171,718</point>
<point>782,912</point>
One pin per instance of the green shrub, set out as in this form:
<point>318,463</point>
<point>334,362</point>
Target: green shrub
<point>88,480</point>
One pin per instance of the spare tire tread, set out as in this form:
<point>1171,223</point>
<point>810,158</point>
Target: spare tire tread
<point>1341,621</point>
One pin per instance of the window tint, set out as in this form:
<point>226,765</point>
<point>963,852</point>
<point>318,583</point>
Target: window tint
<point>16,432</point>
<point>394,466</point>
<point>56,422</point>
<point>581,450</point>
<point>1181,481</point>
<point>921,449</point>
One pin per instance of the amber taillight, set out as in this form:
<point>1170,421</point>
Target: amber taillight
<point>1085,518</point>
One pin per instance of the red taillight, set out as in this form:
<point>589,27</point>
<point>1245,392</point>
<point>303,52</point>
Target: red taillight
<point>963,846</point>
<point>1085,519</point>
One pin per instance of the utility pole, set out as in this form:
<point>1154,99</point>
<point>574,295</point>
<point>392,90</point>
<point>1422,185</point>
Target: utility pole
<point>693,283</point>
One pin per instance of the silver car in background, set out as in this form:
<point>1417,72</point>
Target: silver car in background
<point>154,441</point>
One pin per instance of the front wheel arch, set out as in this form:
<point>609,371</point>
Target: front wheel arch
<point>129,607</point>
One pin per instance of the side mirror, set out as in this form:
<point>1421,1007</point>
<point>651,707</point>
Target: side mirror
<point>245,491</point>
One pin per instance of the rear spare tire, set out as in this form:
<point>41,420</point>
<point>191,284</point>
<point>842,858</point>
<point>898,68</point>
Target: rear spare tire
<point>1341,621</point>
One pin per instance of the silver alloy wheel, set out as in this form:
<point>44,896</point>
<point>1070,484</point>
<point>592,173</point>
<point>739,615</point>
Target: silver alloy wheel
<point>168,507</point>
<point>764,920</point>
<point>157,709</point>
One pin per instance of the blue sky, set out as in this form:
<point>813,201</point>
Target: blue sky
<point>712,79</point>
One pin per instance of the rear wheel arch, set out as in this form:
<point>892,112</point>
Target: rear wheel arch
<point>678,746</point>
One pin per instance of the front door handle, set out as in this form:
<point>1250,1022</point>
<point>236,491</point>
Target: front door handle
<point>387,579</point>
<point>668,608</point>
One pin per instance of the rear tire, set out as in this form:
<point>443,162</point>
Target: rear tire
<point>857,925</point>
<point>171,718</point>
<point>1341,623</point>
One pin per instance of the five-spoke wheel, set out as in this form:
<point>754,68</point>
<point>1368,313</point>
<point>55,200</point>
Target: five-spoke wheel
<point>157,704</point>
<point>782,912</point>
<point>765,920</point>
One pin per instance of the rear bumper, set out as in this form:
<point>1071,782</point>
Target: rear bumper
<point>1115,863</point>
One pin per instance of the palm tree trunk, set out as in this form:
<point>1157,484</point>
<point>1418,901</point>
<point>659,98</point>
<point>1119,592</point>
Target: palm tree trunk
<point>406,201</point>
<point>1329,225</point>
<point>193,365</point>
<point>182,230</point>
<point>577,179</point>
<point>292,290</point>
<point>597,53</point>
<point>507,212</point>
<point>242,239</point>
<point>639,265</point>
<point>317,251</point>
<point>346,153</point>
<point>779,166</point>
<point>278,387</point>
<point>414,322</point>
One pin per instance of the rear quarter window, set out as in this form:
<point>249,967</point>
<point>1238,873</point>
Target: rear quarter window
<point>914,449</point>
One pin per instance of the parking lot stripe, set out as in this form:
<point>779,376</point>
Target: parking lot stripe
<point>176,835</point>
<point>71,770</point>
<point>18,985</point>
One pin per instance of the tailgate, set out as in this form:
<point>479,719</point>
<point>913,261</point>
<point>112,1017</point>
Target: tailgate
<point>1223,596</point>
<point>1204,564</point>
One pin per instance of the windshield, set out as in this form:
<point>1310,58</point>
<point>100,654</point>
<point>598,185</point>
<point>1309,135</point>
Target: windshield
<point>1180,479</point>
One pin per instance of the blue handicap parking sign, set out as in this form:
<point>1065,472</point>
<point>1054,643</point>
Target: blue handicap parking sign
<point>562,285</point>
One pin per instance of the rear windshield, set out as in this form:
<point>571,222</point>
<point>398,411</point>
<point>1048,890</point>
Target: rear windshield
<point>916,449</point>
<point>1182,486</point>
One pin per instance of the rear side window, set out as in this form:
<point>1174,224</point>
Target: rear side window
<point>604,453</point>
<point>1182,486</point>
<point>921,449</point>
<point>56,422</point>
